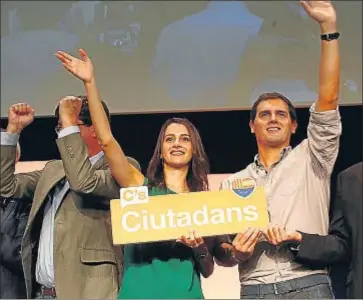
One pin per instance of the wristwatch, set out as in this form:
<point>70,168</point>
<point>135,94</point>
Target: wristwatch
<point>330,36</point>
<point>201,252</point>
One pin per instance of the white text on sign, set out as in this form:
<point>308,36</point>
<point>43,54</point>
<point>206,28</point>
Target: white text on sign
<point>133,221</point>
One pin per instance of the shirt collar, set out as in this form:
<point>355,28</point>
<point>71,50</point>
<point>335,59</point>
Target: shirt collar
<point>96,157</point>
<point>283,154</point>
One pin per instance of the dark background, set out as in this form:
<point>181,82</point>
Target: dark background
<point>226,136</point>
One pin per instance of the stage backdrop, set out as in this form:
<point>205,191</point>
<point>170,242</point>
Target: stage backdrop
<point>172,55</point>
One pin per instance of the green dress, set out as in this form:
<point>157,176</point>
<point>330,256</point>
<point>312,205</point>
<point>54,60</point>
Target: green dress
<point>159,270</point>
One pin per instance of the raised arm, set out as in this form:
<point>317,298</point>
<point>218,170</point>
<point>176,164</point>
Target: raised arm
<point>323,12</point>
<point>125,174</point>
<point>324,128</point>
<point>82,177</point>
<point>21,185</point>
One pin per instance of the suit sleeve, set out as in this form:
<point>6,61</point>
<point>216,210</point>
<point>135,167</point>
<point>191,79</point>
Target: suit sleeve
<point>203,257</point>
<point>18,186</point>
<point>223,256</point>
<point>321,251</point>
<point>83,178</point>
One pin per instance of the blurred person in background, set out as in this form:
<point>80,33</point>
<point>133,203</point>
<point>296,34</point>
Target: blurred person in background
<point>14,215</point>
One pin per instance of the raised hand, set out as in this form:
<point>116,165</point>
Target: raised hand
<point>69,108</point>
<point>81,68</point>
<point>321,11</point>
<point>193,241</point>
<point>20,115</point>
<point>277,235</point>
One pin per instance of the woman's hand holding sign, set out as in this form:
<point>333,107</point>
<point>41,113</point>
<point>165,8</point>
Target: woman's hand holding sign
<point>193,241</point>
<point>204,259</point>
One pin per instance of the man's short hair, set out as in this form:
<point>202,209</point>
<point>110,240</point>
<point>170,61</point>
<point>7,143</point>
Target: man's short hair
<point>84,114</point>
<point>269,96</point>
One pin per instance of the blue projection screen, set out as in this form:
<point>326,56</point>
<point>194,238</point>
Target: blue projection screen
<point>163,56</point>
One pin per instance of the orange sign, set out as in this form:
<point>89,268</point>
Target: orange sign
<point>137,217</point>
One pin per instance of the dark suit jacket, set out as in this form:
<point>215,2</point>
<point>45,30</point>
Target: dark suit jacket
<point>344,242</point>
<point>13,218</point>
<point>85,263</point>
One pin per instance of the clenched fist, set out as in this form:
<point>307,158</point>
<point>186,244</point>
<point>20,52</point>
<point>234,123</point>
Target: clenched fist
<point>69,108</point>
<point>20,115</point>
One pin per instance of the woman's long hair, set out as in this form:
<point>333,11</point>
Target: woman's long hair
<point>197,180</point>
<point>199,166</point>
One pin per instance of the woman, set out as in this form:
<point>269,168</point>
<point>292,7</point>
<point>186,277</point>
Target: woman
<point>179,164</point>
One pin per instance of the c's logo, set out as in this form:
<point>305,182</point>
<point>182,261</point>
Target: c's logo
<point>133,195</point>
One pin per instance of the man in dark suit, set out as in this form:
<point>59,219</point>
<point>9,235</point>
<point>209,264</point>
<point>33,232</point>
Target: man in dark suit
<point>13,218</point>
<point>344,242</point>
<point>66,250</point>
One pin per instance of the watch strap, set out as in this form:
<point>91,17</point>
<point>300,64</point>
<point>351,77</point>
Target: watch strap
<point>330,36</point>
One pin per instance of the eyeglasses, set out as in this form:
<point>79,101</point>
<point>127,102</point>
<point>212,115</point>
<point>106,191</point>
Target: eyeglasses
<point>59,127</point>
